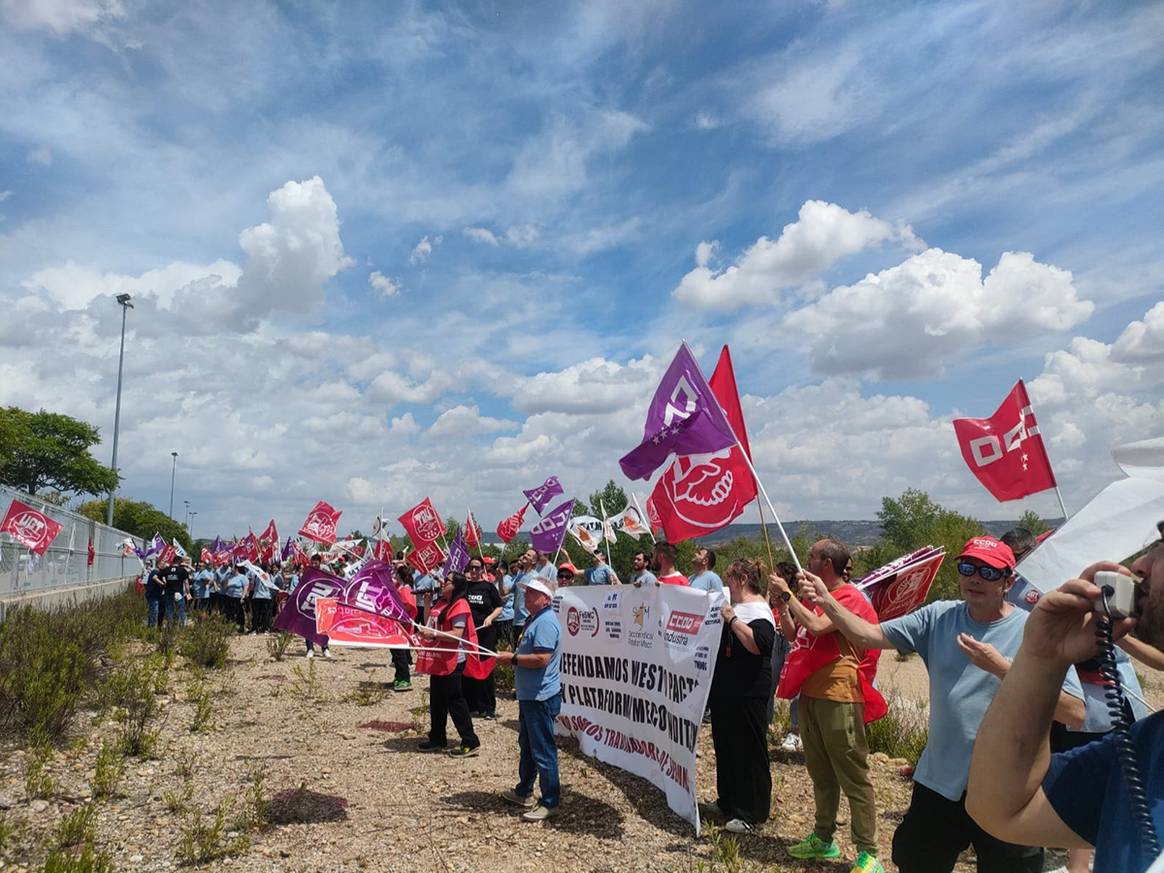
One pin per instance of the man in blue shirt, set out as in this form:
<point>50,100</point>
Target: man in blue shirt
<point>200,589</point>
<point>705,578</point>
<point>642,575</point>
<point>601,573</point>
<point>539,700</point>
<point>1077,798</point>
<point>522,573</point>
<point>966,645</point>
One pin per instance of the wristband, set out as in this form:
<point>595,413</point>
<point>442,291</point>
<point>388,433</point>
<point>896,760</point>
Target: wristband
<point>735,618</point>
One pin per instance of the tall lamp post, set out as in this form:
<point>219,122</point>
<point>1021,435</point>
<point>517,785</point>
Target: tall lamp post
<point>123,299</point>
<point>190,530</point>
<point>173,471</point>
<point>187,502</point>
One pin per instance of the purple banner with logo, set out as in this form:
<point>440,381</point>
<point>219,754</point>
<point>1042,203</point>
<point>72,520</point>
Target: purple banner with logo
<point>458,555</point>
<point>547,534</point>
<point>541,496</point>
<point>373,589</point>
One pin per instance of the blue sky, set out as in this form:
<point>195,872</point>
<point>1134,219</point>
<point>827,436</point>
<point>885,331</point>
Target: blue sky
<point>387,250</point>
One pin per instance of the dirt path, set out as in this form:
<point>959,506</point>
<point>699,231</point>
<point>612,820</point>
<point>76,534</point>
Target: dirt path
<point>376,803</point>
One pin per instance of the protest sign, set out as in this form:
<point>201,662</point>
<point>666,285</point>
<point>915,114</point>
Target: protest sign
<point>636,670</point>
<point>347,626</point>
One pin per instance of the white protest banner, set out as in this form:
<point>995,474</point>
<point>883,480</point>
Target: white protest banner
<point>636,670</point>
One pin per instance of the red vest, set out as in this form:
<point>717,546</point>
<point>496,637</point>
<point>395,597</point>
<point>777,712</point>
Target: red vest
<point>443,663</point>
<point>810,653</point>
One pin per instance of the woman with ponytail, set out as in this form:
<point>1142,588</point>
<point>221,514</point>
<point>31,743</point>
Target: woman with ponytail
<point>446,660</point>
<point>739,693</point>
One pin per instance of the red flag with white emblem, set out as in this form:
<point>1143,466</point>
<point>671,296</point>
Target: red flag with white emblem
<point>1005,452</point>
<point>509,527</point>
<point>30,527</point>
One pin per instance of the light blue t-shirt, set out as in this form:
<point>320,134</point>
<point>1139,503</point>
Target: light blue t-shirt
<point>600,575</point>
<point>519,611</point>
<point>235,586</point>
<point>708,580</point>
<point>507,602</point>
<point>959,692</point>
<point>201,587</point>
<point>542,634</point>
<point>264,588</point>
<point>644,578</point>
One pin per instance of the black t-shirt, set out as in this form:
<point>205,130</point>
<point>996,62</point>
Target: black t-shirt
<point>176,577</point>
<point>154,582</point>
<point>739,673</point>
<point>483,599</point>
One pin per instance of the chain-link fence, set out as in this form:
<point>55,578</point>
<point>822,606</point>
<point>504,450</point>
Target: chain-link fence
<point>66,562</point>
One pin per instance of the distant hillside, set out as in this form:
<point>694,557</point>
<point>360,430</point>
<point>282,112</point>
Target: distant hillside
<point>849,532</point>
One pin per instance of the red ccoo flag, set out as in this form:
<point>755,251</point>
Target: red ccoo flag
<point>31,528</point>
<point>509,527</point>
<point>321,523</point>
<point>268,539</point>
<point>1006,451</point>
<point>700,494</point>
<point>423,524</point>
<point>92,553</point>
<point>472,532</point>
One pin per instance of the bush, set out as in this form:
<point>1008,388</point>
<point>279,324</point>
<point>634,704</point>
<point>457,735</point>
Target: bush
<point>202,841</point>
<point>88,861</point>
<point>78,827</point>
<point>38,783</point>
<point>207,643</point>
<point>110,767</point>
<point>902,733</point>
<point>277,644</point>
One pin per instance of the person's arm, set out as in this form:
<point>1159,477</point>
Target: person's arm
<point>491,617</point>
<point>1069,710</point>
<point>528,660</point>
<point>740,628</point>
<point>1011,753</point>
<point>861,633</point>
<point>793,612</point>
<point>1142,652</point>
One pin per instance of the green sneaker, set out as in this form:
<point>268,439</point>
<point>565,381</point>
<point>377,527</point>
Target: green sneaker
<point>813,848</point>
<point>401,685</point>
<point>867,863</point>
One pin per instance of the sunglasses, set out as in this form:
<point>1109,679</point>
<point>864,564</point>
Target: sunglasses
<point>990,574</point>
<point>472,568</point>
<point>565,575</point>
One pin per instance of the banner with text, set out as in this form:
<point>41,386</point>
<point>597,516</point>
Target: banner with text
<point>636,671</point>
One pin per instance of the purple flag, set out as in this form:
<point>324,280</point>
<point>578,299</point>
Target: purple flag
<point>216,546</point>
<point>458,555</point>
<point>684,418</point>
<point>541,496</point>
<point>156,546</point>
<point>287,551</point>
<point>298,613</point>
<point>373,589</point>
<point>547,534</point>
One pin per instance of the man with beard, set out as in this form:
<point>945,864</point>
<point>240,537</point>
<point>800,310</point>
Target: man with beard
<point>1078,798</point>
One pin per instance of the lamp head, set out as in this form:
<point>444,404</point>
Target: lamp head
<point>123,299</point>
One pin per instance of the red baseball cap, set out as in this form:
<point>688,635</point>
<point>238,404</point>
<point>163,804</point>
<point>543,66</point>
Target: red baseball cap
<point>988,550</point>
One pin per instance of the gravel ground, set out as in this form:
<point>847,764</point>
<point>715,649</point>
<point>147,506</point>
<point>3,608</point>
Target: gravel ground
<point>353,792</point>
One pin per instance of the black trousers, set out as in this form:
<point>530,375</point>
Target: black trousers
<point>261,613</point>
<point>482,693</point>
<point>447,698</point>
<point>234,611</point>
<point>936,830</point>
<point>401,659</point>
<point>743,779</point>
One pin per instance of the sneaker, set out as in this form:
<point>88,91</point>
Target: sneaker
<point>738,826</point>
<point>488,716</point>
<point>465,751</point>
<point>517,800</point>
<point>327,653</point>
<point>401,685</point>
<point>540,813</point>
<point>867,863</point>
<point>430,746</point>
<point>813,848</point>
<point>792,743</point>
<point>310,653</point>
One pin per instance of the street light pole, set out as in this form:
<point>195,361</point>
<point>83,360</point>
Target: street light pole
<point>189,529</point>
<point>123,299</point>
<point>173,471</point>
<point>187,502</point>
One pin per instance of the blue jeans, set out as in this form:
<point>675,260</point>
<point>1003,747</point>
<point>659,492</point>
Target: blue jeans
<point>539,753</point>
<point>152,620</point>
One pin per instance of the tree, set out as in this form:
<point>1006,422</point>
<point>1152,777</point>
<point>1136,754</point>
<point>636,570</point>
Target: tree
<point>913,521</point>
<point>1033,522</point>
<point>49,450</point>
<point>140,519</point>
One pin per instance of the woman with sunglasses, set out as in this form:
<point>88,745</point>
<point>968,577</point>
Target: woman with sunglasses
<point>445,658</point>
<point>967,646</point>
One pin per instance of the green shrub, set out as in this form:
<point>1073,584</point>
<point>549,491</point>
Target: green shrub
<point>7,832</point>
<point>110,767</point>
<point>203,714</point>
<point>254,815</point>
<point>87,861</point>
<point>206,841</point>
<point>277,644</point>
<point>179,801</point>
<point>207,643</point>
<point>902,733</point>
<point>38,783</point>
<point>78,827</point>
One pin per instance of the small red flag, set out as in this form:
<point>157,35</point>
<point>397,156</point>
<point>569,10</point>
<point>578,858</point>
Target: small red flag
<point>426,558</point>
<point>1006,452</point>
<point>92,553</point>
<point>423,523</point>
<point>321,523</point>
<point>700,494</point>
<point>509,527</point>
<point>472,532</point>
<point>268,539</point>
<point>30,527</point>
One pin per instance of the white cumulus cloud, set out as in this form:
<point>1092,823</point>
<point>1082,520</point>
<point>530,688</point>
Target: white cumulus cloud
<point>382,284</point>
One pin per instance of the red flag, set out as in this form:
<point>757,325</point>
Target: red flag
<point>472,532</point>
<point>509,527</point>
<point>426,558</point>
<point>268,539</point>
<point>700,494</point>
<point>167,556</point>
<point>653,516</point>
<point>1006,451</point>
<point>423,523</point>
<point>251,545</point>
<point>382,550</point>
<point>206,557</point>
<point>30,527</point>
<point>321,523</point>
<point>92,553</point>
<point>901,586</point>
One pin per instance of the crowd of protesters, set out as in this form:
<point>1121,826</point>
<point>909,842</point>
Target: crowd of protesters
<point>966,644</point>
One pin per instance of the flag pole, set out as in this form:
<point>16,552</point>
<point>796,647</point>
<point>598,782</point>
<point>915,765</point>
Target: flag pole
<point>1031,407</point>
<point>650,532</point>
<point>767,539</point>
<point>768,500</point>
<point>1062,505</point>
<point>473,521</point>
<point>602,506</point>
